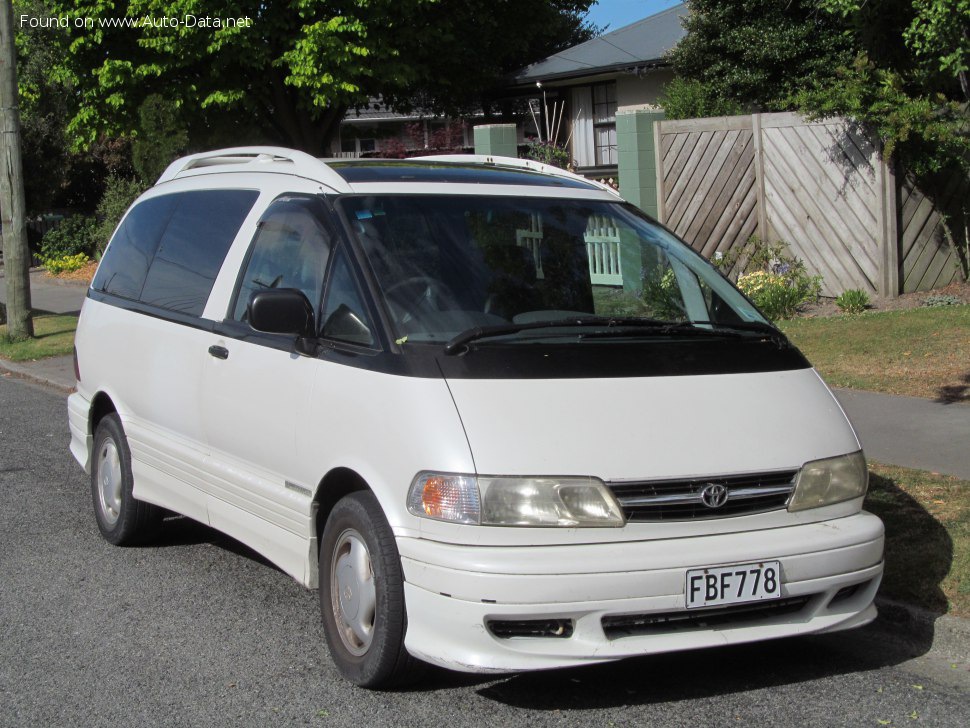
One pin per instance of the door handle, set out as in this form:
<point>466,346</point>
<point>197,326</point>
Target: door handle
<point>219,352</point>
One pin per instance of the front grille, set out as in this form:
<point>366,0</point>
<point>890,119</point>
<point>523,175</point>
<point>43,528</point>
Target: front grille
<point>631,625</point>
<point>683,500</point>
<point>507,628</point>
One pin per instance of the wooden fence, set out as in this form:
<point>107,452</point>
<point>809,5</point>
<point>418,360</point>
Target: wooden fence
<point>822,187</point>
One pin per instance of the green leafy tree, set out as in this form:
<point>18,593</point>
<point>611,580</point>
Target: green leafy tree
<point>909,84</point>
<point>752,54</point>
<point>288,71</point>
<point>690,99</point>
<point>908,80</point>
<point>162,138</point>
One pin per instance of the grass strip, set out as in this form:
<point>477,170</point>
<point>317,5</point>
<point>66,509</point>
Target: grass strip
<point>920,352</point>
<point>53,336</point>
<point>927,517</point>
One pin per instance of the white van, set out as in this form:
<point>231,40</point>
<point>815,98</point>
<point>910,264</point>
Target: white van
<point>504,420</point>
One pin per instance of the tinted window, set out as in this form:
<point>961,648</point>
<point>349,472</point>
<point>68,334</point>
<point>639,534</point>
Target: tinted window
<point>193,247</point>
<point>290,250</point>
<point>126,261</point>
<point>344,315</point>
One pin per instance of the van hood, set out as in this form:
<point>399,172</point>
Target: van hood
<point>651,427</point>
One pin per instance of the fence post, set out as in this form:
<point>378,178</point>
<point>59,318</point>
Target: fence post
<point>637,155</point>
<point>759,176</point>
<point>888,229</point>
<point>496,140</point>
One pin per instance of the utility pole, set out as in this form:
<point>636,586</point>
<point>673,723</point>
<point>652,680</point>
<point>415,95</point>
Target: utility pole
<point>16,257</point>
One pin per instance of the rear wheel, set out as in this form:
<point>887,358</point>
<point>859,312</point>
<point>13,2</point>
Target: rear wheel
<point>362,595</point>
<point>122,520</point>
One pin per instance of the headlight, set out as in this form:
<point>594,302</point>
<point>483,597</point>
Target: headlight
<point>833,480</point>
<point>510,501</point>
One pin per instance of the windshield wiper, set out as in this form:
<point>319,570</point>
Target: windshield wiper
<point>670,328</point>
<point>485,332</point>
<point>621,326</point>
<point>776,335</point>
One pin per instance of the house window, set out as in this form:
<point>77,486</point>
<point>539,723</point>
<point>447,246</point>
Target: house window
<point>604,123</point>
<point>356,146</point>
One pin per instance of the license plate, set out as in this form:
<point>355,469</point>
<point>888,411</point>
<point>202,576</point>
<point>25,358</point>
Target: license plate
<point>721,585</point>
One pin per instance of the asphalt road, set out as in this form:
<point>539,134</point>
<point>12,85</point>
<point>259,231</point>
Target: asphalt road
<point>197,631</point>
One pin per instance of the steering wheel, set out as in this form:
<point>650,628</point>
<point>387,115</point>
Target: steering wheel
<point>416,295</point>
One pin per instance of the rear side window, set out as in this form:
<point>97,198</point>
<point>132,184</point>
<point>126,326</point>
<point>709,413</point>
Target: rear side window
<point>169,250</point>
<point>125,265</point>
<point>193,247</point>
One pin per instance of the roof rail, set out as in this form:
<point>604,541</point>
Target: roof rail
<point>256,159</point>
<point>513,162</point>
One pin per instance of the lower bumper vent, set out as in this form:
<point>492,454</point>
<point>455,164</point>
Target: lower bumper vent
<point>506,629</point>
<point>630,625</point>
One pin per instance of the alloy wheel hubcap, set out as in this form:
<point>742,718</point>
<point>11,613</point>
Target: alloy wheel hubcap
<point>353,593</point>
<point>109,482</point>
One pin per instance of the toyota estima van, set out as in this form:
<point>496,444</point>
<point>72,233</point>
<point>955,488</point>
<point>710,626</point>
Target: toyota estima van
<point>502,419</point>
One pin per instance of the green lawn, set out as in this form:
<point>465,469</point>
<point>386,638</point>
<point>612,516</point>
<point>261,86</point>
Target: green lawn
<point>53,336</point>
<point>927,519</point>
<point>921,352</point>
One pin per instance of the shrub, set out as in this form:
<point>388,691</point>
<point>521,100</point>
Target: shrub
<point>119,193</point>
<point>64,263</point>
<point>74,235</point>
<point>548,153</point>
<point>776,294</point>
<point>771,276</point>
<point>941,299</point>
<point>852,301</point>
<point>689,99</point>
<point>661,295</point>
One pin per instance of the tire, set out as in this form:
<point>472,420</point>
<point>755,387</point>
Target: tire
<point>122,520</point>
<point>362,596</point>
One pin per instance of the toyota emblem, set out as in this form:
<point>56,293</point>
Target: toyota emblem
<point>714,495</point>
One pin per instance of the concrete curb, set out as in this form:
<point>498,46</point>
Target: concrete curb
<point>28,373</point>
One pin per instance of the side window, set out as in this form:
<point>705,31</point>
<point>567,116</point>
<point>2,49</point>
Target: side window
<point>193,247</point>
<point>290,250</point>
<point>126,261</point>
<point>344,313</point>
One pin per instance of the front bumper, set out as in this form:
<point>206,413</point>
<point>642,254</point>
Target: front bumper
<point>453,592</point>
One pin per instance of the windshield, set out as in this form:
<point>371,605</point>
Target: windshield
<point>449,265</point>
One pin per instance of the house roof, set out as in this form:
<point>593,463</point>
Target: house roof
<point>375,110</point>
<point>642,43</point>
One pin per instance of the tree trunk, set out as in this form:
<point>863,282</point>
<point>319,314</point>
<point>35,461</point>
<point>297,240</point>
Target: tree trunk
<point>16,257</point>
<point>310,132</point>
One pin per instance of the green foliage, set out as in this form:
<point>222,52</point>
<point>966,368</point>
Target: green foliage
<point>548,153</point>
<point>778,296</point>
<point>288,73</point>
<point>691,99</point>
<point>119,193</point>
<point>927,132</point>
<point>771,276</point>
<point>908,82</point>
<point>757,53</point>
<point>941,299</point>
<point>852,301</point>
<point>161,138</point>
<point>64,263</point>
<point>661,295</point>
<point>75,235</point>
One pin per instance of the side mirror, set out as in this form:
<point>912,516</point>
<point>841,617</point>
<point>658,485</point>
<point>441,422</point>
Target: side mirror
<point>282,311</point>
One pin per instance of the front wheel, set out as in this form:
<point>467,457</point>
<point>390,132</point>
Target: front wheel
<point>362,595</point>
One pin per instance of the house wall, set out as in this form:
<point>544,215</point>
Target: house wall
<point>641,92</point>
